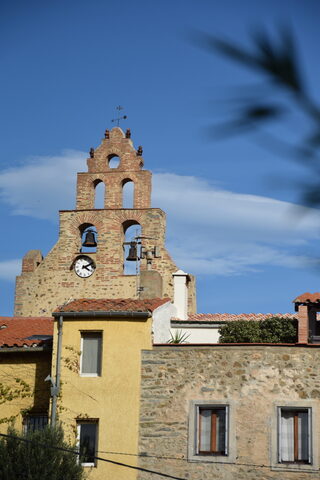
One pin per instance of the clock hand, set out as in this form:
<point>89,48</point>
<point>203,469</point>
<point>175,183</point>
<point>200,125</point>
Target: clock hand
<point>88,265</point>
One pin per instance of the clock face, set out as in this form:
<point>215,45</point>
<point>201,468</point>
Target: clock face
<point>84,266</point>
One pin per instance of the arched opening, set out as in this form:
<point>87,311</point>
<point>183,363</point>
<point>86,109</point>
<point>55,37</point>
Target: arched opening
<point>89,238</point>
<point>99,193</point>
<point>132,232</point>
<point>127,193</point>
<point>113,161</point>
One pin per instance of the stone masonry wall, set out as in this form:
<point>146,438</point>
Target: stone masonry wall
<point>253,381</point>
<point>53,281</point>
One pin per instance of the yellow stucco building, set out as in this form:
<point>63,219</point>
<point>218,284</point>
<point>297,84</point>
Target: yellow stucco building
<point>98,371</point>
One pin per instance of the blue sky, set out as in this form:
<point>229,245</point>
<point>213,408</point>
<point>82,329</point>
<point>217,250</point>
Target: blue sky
<point>66,65</point>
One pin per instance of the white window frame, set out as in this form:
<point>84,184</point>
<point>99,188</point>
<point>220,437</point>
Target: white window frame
<point>309,433</point>
<point>79,424</point>
<point>83,334</point>
<point>313,420</point>
<point>193,438</point>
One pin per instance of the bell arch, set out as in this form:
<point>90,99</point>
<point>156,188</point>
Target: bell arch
<point>128,190</point>
<point>131,247</point>
<point>88,238</point>
<point>99,193</point>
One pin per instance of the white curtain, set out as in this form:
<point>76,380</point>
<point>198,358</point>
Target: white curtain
<point>205,430</point>
<point>287,436</point>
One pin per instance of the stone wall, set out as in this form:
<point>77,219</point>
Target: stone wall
<point>253,381</point>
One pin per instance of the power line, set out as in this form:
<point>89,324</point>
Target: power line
<point>216,462</point>
<point>76,452</point>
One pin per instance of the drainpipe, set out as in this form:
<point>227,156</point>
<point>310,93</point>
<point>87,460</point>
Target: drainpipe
<point>55,389</point>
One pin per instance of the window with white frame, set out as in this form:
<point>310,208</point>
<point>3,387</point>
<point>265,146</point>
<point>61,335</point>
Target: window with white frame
<point>90,361</point>
<point>87,441</point>
<point>294,435</point>
<point>212,430</point>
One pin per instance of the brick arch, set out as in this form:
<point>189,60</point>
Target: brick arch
<point>124,216</point>
<point>85,217</point>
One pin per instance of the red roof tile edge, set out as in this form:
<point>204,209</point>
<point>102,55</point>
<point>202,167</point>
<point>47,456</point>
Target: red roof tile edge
<point>308,298</point>
<point>229,317</point>
<point>15,331</point>
<point>112,305</point>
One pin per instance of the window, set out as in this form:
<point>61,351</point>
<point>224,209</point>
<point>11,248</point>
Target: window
<point>35,422</point>
<point>87,442</point>
<point>90,362</point>
<point>294,431</point>
<point>212,430</point>
<point>211,436</point>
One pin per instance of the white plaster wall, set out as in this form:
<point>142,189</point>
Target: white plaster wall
<point>161,318</point>
<point>199,334</point>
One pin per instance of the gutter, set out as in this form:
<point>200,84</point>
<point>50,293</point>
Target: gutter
<point>24,349</point>
<point>99,314</point>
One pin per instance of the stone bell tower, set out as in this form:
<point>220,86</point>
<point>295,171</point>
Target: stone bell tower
<point>72,271</point>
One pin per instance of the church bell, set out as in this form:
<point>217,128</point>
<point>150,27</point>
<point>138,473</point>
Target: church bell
<point>89,240</point>
<point>132,256</point>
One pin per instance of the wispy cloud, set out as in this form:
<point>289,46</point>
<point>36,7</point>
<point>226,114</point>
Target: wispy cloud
<point>210,230</point>
<point>42,185</point>
<point>9,269</point>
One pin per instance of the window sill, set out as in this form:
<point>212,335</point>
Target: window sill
<point>89,375</point>
<point>210,458</point>
<point>295,467</point>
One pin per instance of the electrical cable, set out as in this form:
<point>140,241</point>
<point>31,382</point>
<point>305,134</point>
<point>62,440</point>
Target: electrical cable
<point>76,452</point>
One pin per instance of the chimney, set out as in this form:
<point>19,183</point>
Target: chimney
<point>180,288</point>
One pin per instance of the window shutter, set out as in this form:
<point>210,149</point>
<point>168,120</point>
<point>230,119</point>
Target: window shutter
<point>309,436</point>
<point>197,430</point>
<point>226,436</point>
<point>279,435</point>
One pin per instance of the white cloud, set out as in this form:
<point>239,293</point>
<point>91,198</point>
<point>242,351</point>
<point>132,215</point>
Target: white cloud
<point>210,230</point>
<point>43,185</point>
<point>9,269</point>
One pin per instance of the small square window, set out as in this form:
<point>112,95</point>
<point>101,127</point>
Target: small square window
<point>294,435</point>
<point>90,362</point>
<point>87,442</point>
<point>32,423</point>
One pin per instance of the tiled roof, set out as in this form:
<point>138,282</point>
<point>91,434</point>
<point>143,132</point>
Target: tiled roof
<point>16,331</point>
<point>230,317</point>
<point>114,305</point>
<point>308,298</point>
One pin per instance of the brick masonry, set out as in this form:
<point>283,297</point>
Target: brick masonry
<point>46,283</point>
<point>252,379</point>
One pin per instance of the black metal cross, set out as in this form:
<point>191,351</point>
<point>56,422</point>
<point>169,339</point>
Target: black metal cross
<point>119,108</point>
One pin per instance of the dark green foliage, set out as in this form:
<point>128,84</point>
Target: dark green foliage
<point>34,461</point>
<point>270,330</point>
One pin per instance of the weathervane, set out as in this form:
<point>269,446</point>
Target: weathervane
<point>119,108</point>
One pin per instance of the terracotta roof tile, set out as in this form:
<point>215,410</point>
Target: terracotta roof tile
<point>113,305</point>
<point>308,298</point>
<point>16,331</point>
<point>230,317</point>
